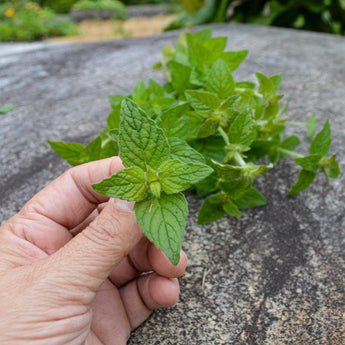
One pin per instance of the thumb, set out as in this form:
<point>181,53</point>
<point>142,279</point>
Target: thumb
<point>87,260</point>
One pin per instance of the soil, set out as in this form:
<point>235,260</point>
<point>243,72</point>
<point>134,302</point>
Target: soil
<point>101,30</point>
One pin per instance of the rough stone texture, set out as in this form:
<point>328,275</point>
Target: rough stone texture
<point>275,276</point>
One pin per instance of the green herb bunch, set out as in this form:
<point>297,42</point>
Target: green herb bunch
<point>203,131</point>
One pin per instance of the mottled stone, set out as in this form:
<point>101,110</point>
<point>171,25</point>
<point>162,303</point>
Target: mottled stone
<point>275,276</point>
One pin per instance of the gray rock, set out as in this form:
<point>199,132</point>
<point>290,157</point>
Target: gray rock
<point>275,276</point>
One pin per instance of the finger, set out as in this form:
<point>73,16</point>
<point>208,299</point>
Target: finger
<point>87,260</point>
<point>70,198</point>
<point>147,293</point>
<point>109,318</point>
<point>146,257</point>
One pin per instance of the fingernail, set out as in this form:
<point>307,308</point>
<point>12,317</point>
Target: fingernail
<point>124,205</point>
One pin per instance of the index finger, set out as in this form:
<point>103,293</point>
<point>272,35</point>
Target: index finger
<point>70,198</point>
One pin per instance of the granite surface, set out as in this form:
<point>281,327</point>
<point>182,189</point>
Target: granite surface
<point>275,276</point>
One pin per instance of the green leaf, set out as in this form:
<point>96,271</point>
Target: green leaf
<point>203,101</point>
<point>242,130</point>
<point>176,176</point>
<point>309,163</point>
<point>180,150</point>
<point>290,143</point>
<point>311,125</point>
<point>174,122</point>
<point>68,151</point>
<point>212,209</point>
<point>208,128</point>
<point>276,81</point>
<point>127,184</point>
<point>141,142</point>
<point>305,179</point>
<point>220,80</point>
<point>251,198</point>
<point>114,119</point>
<point>330,167</point>
<point>322,142</point>
<point>235,188</point>
<point>115,101</point>
<point>92,152</point>
<point>163,221</point>
<point>231,208</point>
<point>212,148</point>
<point>266,86</point>
<point>7,109</point>
<point>180,76</point>
<point>234,59</point>
<point>139,94</point>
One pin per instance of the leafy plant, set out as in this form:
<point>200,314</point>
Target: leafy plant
<point>27,21</point>
<point>112,5</point>
<point>203,131</point>
<point>315,15</point>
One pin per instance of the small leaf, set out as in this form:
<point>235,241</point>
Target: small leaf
<point>251,198</point>
<point>174,122</point>
<point>309,163</point>
<point>68,151</point>
<point>220,80</point>
<point>311,125</point>
<point>242,130</point>
<point>92,151</point>
<point>180,150</point>
<point>322,142</point>
<point>139,94</point>
<point>180,76</point>
<point>208,128</point>
<point>142,143</point>
<point>330,167</point>
<point>212,209</point>
<point>163,221</point>
<point>203,101</point>
<point>305,179</point>
<point>231,208</point>
<point>276,81</point>
<point>7,109</point>
<point>176,176</point>
<point>266,87</point>
<point>234,59</point>
<point>127,184</point>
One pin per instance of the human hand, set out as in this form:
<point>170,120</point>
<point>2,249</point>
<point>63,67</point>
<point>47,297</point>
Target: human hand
<point>70,274</point>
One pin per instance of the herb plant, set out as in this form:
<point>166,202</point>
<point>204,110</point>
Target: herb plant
<point>203,131</point>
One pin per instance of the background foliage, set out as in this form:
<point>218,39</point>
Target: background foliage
<point>28,21</point>
<point>316,15</point>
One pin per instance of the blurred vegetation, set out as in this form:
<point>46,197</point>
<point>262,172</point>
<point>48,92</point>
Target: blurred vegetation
<point>112,5</point>
<point>28,21</point>
<point>316,15</point>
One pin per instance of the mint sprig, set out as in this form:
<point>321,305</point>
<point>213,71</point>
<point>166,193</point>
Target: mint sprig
<point>204,131</point>
<point>153,179</point>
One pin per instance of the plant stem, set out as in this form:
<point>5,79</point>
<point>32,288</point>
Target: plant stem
<point>290,153</point>
<point>239,159</point>
<point>295,123</point>
<point>224,136</point>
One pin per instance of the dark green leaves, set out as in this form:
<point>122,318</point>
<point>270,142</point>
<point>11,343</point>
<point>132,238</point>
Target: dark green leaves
<point>142,143</point>
<point>305,179</point>
<point>163,221</point>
